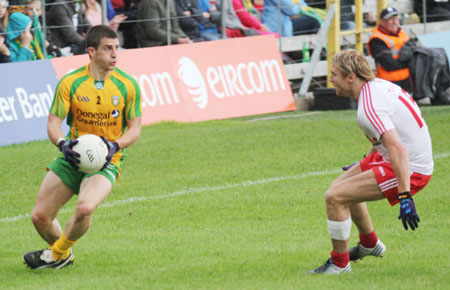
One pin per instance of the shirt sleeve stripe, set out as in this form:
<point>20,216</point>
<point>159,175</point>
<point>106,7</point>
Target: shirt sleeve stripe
<point>370,111</point>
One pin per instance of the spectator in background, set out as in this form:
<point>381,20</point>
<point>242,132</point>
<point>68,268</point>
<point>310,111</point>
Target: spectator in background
<point>290,23</point>
<point>423,71</point>
<point>128,27</point>
<point>233,25</point>
<point>4,49</point>
<point>31,7</point>
<point>304,23</point>
<point>271,16</point>
<point>211,8</point>
<point>152,30</point>
<point>19,38</point>
<point>249,5</point>
<point>93,12</point>
<point>3,14</point>
<point>248,20</point>
<point>194,22</point>
<point>347,15</point>
<point>437,10</point>
<point>35,6</point>
<point>70,26</point>
<point>384,44</point>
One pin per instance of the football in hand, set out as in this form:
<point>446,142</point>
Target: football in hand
<point>93,152</point>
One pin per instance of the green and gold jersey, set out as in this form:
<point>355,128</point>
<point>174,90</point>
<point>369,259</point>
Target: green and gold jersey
<point>97,107</point>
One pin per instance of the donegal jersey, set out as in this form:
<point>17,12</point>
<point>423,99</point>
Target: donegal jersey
<point>97,107</point>
<point>383,106</point>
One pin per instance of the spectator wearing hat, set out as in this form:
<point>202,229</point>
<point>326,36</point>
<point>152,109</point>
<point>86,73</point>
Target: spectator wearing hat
<point>384,45</point>
<point>424,72</point>
<point>19,38</point>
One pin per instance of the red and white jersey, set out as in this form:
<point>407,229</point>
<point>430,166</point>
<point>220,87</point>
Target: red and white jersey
<point>383,106</point>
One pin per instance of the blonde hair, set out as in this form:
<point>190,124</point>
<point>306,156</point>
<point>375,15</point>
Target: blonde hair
<point>352,61</point>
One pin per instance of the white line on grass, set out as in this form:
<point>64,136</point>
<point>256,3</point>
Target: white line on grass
<point>207,188</point>
<point>193,190</point>
<point>284,117</point>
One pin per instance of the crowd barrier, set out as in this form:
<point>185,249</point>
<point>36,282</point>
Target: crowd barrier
<point>186,83</point>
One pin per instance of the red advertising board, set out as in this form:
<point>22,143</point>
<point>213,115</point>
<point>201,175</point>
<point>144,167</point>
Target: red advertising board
<point>204,81</point>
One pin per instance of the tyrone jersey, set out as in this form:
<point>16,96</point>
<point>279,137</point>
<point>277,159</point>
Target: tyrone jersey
<point>383,106</point>
<point>97,107</point>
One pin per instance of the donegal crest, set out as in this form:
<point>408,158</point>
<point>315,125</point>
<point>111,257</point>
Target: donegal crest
<point>115,100</point>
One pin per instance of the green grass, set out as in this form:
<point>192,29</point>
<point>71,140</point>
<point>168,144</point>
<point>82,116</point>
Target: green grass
<point>232,204</point>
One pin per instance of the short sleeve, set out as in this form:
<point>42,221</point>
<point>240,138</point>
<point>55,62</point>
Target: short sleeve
<point>61,100</point>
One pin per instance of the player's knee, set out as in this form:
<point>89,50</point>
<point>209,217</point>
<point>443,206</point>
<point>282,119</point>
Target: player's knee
<point>333,197</point>
<point>40,218</point>
<point>84,210</point>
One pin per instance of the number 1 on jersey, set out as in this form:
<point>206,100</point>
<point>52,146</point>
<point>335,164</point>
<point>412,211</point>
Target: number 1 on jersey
<point>408,101</point>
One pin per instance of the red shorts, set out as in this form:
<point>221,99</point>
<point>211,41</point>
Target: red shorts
<point>386,179</point>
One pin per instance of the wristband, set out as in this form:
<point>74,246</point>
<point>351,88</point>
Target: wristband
<point>403,195</point>
<point>59,142</point>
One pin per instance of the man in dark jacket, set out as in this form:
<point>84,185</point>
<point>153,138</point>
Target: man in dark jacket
<point>152,29</point>
<point>62,15</point>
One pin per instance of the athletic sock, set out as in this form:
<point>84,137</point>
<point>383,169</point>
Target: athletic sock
<point>368,241</point>
<point>61,248</point>
<point>341,260</point>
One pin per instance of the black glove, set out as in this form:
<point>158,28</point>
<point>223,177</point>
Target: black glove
<point>345,168</point>
<point>408,212</point>
<point>113,147</point>
<point>71,156</point>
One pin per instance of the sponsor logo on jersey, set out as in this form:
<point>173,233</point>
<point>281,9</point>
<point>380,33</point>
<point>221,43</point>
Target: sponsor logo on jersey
<point>96,118</point>
<point>115,100</point>
<point>115,114</point>
<point>83,99</point>
<point>98,85</point>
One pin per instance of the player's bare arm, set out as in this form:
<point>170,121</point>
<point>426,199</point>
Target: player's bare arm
<point>54,128</point>
<point>132,133</point>
<point>398,155</point>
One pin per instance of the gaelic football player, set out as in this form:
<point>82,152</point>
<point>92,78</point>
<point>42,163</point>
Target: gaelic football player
<point>99,99</point>
<point>399,165</point>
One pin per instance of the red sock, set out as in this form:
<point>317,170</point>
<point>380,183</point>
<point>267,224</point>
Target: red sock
<point>340,259</point>
<point>368,241</point>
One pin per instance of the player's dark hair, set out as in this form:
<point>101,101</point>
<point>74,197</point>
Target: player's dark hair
<point>96,33</point>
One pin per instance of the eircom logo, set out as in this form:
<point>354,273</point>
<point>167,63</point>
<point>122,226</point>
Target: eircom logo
<point>190,74</point>
<point>230,79</point>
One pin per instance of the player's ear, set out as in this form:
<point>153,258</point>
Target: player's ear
<point>351,77</point>
<point>91,50</point>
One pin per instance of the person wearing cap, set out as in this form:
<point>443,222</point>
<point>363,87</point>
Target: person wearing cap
<point>384,45</point>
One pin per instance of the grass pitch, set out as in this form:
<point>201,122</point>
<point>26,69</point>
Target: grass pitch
<point>232,204</point>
